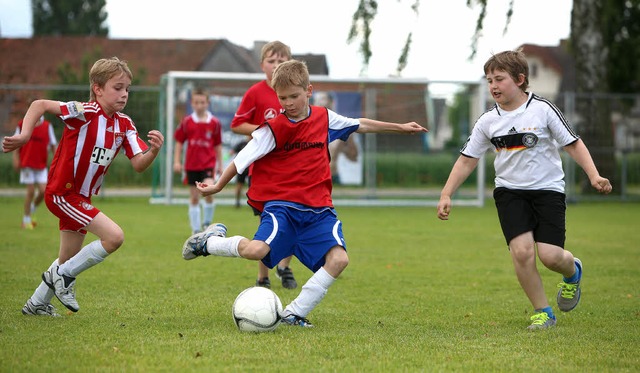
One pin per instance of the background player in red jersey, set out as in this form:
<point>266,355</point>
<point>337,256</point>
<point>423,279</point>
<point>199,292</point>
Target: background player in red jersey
<point>94,133</point>
<point>259,104</point>
<point>32,161</point>
<point>203,159</point>
<point>291,188</point>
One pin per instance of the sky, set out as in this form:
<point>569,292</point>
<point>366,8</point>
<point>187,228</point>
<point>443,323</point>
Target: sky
<point>442,30</point>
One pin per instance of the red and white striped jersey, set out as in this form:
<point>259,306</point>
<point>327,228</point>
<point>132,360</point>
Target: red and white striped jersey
<point>90,142</point>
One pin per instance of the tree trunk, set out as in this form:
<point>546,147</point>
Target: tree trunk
<point>592,104</point>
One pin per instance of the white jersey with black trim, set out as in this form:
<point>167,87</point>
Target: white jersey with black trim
<point>526,142</point>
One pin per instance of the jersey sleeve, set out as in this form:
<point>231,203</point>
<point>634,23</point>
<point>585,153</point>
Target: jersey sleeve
<point>261,143</point>
<point>133,144</point>
<point>559,127</point>
<point>246,110</point>
<point>75,113</point>
<point>180,134</point>
<point>341,127</point>
<point>478,142</point>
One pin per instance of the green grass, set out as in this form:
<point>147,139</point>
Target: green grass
<point>419,295</point>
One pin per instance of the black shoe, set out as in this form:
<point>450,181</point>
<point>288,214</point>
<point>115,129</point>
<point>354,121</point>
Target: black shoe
<point>264,282</point>
<point>286,275</point>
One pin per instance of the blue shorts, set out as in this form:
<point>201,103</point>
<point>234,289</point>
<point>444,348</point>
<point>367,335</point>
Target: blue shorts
<point>294,229</point>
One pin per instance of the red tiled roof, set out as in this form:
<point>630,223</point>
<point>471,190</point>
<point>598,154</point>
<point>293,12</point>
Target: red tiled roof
<point>35,60</point>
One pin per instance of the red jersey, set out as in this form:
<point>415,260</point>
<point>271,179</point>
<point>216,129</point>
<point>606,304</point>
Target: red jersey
<point>35,153</point>
<point>201,138</point>
<point>259,104</point>
<point>89,143</point>
<point>297,169</point>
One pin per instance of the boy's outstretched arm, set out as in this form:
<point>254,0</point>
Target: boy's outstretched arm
<point>31,117</point>
<point>579,152</point>
<point>224,179</point>
<point>376,126</point>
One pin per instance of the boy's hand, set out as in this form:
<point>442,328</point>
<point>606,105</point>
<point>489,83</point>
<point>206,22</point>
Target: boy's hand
<point>413,127</point>
<point>206,189</point>
<point>444,207</point>
<point>156,139</point>
<point>602,185</point>
<point>11,143</point>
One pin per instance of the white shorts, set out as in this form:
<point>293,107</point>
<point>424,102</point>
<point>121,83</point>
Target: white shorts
<point>33,176</point>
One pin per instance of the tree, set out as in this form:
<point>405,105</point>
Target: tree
<point>69,17</point>
<point>605,45</point>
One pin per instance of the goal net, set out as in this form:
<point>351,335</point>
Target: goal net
<point>369,170</point>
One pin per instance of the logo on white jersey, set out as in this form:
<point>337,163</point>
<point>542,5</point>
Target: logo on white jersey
<point>102,156</point>
<point>529,140</point>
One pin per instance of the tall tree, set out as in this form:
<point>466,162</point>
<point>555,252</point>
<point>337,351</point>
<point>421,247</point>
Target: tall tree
<point>605,45</point>
<point>69,17</point>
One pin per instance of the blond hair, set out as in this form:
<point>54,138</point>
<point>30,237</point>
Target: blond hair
<point>513,63</point>
<point>290,73</point>
<point>275,47</point>
<point>105,69</point>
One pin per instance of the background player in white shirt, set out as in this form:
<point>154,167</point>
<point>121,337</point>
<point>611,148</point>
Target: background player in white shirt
<point>524,129</point>
<point>93,135</point>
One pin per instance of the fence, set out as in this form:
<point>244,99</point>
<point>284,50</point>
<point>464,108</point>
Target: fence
<point>392,169</point>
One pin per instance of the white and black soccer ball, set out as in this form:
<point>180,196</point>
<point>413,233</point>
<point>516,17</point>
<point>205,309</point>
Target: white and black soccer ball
<point>257,309</point>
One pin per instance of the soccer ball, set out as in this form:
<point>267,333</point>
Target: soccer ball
<point>257,309</point>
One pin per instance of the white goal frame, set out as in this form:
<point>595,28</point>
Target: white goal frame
<point>373,196</point>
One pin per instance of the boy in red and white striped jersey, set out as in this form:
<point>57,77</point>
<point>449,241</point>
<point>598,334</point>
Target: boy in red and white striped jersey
<point>94,133</point>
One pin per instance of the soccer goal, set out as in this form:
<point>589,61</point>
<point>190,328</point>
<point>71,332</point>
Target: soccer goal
<point>370,170</point>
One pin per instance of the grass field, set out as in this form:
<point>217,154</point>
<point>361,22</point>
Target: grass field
<point>419,295</point>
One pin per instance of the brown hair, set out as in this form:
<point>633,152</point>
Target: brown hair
<point>276,47</point>
<point>512,62</point>
<point>201,92</point>
<point>290,73</point>
<point>105,69</point>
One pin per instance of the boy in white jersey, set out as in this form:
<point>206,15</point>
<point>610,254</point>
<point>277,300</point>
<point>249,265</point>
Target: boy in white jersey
<point>94,133</point>
<point>291,188</point>
<point>529,192</point>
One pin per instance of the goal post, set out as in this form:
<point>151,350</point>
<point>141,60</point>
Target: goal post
<point>388,170</point>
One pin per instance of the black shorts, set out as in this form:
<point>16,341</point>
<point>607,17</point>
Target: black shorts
<point>542,212</point>
<point>193,176</point>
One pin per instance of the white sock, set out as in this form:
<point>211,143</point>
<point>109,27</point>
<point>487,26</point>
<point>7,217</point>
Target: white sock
<point>26,219</point>
<point>43,294</point>
<point>33,208</point>
<point>194,218</point>
<point>224,246</point>
<point>312,293</point>
<point>207,211</point>
<point>89,256</point>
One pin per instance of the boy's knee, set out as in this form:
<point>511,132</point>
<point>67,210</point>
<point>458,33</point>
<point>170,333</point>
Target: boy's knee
<point>113,241</point>
<point>338,259</point>
<point>254,250</point>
